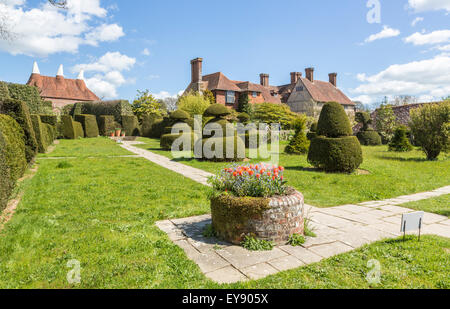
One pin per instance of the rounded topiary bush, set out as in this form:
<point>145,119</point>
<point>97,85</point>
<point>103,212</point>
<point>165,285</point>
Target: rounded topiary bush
<point>243,118</point>
<point>335,149</point>
<point>333,121</point>
<point>177,120</point>
<point>369,138</point>
<point>217,110</point>
<point>179,115</point>
<point>400,142</point>
<point>222,156</point>
<point>167,141</point>
<point>340,154</point>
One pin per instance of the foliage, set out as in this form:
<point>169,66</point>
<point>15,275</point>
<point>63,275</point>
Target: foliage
<point>167,140</point>
<point>275,113</point>
<point>50,119</point>
<point>312,131</point>
<point>130,125</point>
<point>29,95</point>
<point>209,231</point>
<point>335,150</point>
<point>116,108</point>
<point>71,129</point>
<point>4,92</point>
<point>369,138</point>
<point>385,122</point>
<point>221,155</point>
<point>179,115</point>
<point>250,181</point>
<point>19,111</point>
<point>296,240</point>
<point>149,127</point>
<point>208,95</point>
<point>430,126</point>
<point>252,244</point>
<point>41,133</point>
<point>333,121</point>
<point>400,142</point>
<point>106,125</point>
<point>299,144</point>
<point>89,123</point>
<point>217,110</point>
<point>243,118</point>
<point>363,118</point>
<point>193,104</point>
<point>244,105</point>
<point>309,231</point>
<point>146,104</point>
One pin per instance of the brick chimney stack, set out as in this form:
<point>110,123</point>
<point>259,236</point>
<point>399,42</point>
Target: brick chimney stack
<point>196,70</point>
<point>333,79</point>
<point>295,76</point>
<point>264,79</point>
<point>310,74</point>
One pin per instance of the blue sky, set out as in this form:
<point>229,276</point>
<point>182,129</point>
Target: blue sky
<point>148,45</point>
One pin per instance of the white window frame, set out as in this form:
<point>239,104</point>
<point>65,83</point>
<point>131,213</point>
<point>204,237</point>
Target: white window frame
<point>254,94</point>
<point>230,97</point>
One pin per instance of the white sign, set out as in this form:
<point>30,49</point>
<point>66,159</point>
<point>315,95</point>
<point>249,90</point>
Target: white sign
<point>412,221</point>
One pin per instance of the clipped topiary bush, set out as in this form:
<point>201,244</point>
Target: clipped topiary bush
<point>130,125</point>
<point>4,92</point>
<point>29,95</point>
<point>51,133</point>
<point>6,185</point>
<point>147,122</point>
<point>335,149</point>
<point>223,156</point>
<point>89,123</point>
<point>243,118</point>
<point>400,142</point>
<point>177,119</point>
<point>12,151</point>
<point>366,135</point>
<point>71,129</point>
<point>106,124</point>
<point>217,111</point>
<point>19,111</point>
<point>299,144</point>
<point>41,133</point>
<point>116,108</point>
<point>50,119</point>
<point>312,131</point>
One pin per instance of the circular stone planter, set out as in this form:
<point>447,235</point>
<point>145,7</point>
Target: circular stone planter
<point>272,219</point>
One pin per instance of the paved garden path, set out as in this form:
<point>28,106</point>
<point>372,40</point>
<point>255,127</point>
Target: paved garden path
<point>195,174</point>
<point>339,229</point>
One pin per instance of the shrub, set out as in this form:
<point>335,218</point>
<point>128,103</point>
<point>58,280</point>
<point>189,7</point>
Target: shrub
<point>29,95</point>
<point>275,113</point>
<point>4,92</point>
<point>369,138</point>
<point>430,127</point>
<point>130,125</point>
<point>208,95</point>
<point>335,150</point>
<point>41,133</point>
<point>179,115</point>
<point>147,122</point>
<point>106,124</point>
<point>89,123</point>
<point>299,144</point>
<point>227,142</point>
<point>71,129</point>
<point>217,110</point>
<point>158,127</point>
<point>167,140</point>
<point>400,142</point>
<point>253,244</point>
<point>243,118</point>
<point>19,111</point>
<point>244,105</point>
<point>385,123</point>
<point>50,119</point>
<point>312,131</point>
<point>193,104</point>
<point>12,152</point>
<point>117,108</point>
<point>51,133</point>
<point>146,104</point>
<point>250,181</point>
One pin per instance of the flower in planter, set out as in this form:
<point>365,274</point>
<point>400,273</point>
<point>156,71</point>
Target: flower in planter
<point>250,181</point>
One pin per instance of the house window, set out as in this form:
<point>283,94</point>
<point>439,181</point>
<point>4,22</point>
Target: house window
<point>254,94</point>
<point>230,98</point>
<point>299,89</point>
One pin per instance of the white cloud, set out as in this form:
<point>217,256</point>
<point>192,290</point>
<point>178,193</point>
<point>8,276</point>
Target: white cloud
<point>46,30</point>
<point>104,33</point>
<point>428,78</point>
<point>416,21</point>
<point>435,37</point>
<point>108,73</point>
<point>387,32</point>
<point>164,95</point>
<point>145,52</point>
<point>429,5</point>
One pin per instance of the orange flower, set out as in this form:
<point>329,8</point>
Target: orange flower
<point>281,168</point>
<point>258,176</point>
<point>269,173</point>
<point>235,174</point>
<point>273,178</point>
<point>251,173</point>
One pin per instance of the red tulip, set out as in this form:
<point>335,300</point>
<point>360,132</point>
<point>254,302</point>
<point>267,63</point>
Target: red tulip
<point>234,174</point>
<point>258,176</point>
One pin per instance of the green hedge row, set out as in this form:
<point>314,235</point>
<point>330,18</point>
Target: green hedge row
<point>106,124</point>
<point>89,123</point>
<point>130,124</point>
<point>116,108</point>
<point>18,110</point>
<point>4,92</point>
<point>71,129</point>
<point>12,156</point>
<point>45,133</point>
<point>30,95</point>
<point>50,119</point>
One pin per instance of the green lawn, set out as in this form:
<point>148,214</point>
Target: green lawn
<point>439,205</point>
<point>101,211</point>
<point>391,175</point>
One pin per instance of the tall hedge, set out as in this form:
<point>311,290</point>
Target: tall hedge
<point>41,133</point>
<point>106,124</point>
<point>117,108</point>
<point>50,119</point>
<point>4,92</point>
<point>335,149</point>
<point>89,123</point>
<point>19,111</point>
<point>147,122</point>
<point>30,95</point>
<point>130,125</point>
<point>71,129</point>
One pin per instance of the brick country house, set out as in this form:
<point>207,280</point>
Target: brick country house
<point>59,90</point>
<point>302,94</point>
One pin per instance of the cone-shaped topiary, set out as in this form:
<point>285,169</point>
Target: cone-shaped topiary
<point>333,121</point>
<point>217,110</point>
<point>400,142</point>
<point>299,144</point>
<point>335,149</point>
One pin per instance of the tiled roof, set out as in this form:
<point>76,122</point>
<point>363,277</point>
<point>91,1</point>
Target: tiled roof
<point>325,92</point>
<point>218,81</point>
<point>62,88</point>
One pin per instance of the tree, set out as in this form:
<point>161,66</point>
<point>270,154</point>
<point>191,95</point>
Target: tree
<point>430,127</point>
<point>299,144</point>
<point>207,94</point>
<point>386,122</point>
<point>244,105</point>
<point>146,104</point>
<point>193,103</point>
<point>400,142</point>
